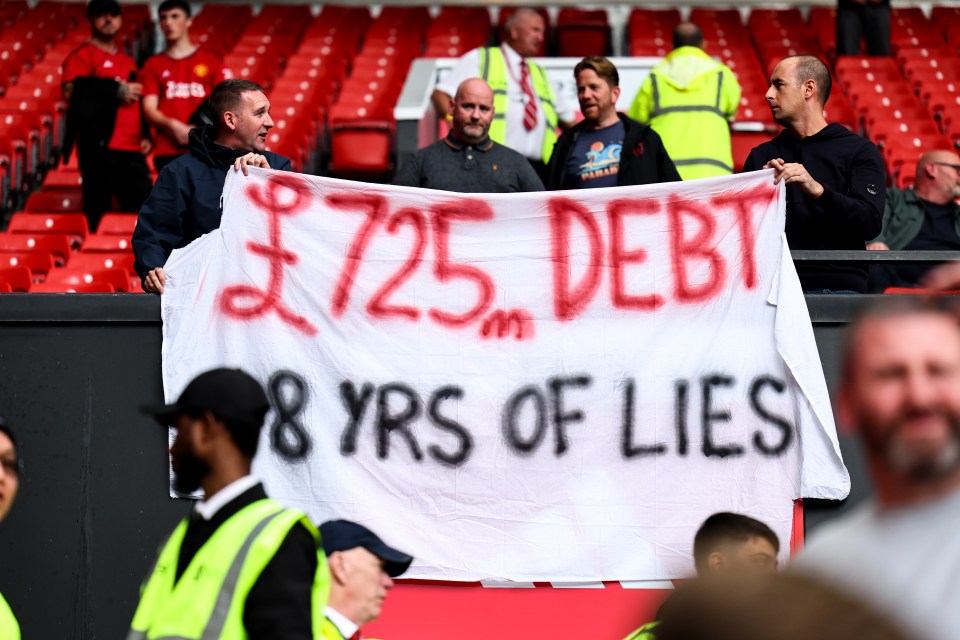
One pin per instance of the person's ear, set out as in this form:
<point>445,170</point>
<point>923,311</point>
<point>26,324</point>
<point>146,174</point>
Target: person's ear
<point>339,566</point>
<point>615,94</point>
<point>230,119</point>
<point>716,562</point>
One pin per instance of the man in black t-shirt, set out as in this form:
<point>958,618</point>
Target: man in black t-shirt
<point>607,149</point>
<point>925,217</point>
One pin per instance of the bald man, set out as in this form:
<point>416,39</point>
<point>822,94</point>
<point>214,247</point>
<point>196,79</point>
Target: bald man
<point>924,217</point>
<point>467,160</point>
<point>528,109</point>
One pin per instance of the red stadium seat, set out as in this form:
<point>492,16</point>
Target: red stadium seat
<point>102,260</point>
<point>121,224</point>
<point>106,243</point>
<point>19,279</point>
<point>72,287</point>
<point>38,263</point>
<point>5,287</point>
<point>54,201</point>
<point>53,244</point>
<point>74,225</point>
<point>116,278</point>
<point>583,32</point>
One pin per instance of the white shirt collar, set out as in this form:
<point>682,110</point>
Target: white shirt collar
<point>344,625</point>
<point>513,58</point>
<point>209,507</point>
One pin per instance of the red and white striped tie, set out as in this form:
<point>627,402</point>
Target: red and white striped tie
<point>530,109</point>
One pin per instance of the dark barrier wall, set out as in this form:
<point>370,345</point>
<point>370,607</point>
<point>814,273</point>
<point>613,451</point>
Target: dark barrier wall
<point>93,505</point>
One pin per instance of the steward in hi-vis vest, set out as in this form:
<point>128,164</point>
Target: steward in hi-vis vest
<point>241,566</point>
<point>527,112</point>
<point>690,99</point>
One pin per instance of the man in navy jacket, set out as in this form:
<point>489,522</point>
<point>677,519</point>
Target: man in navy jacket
<point>835,179</point>
<point>186,200</point>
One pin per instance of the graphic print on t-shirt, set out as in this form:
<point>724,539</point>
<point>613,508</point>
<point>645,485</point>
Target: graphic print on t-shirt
<point>595,160</point>
<point>602,160</point>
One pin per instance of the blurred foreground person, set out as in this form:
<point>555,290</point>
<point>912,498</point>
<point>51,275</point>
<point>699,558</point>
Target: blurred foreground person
<point>726,544</point>
<point>901,390</point>
<point>781,606</point>
<point>9,483</point>
<point>241,565</point>
<point>362,568</point>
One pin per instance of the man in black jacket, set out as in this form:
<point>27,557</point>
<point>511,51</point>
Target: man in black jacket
<point>835,179</point>
<point>185,201</point>
<point>607,149</point>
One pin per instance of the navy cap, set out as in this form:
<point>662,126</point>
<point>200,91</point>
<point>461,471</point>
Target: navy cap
<point>100,7</point>
<point>229,394</point>
<point>343,535</point>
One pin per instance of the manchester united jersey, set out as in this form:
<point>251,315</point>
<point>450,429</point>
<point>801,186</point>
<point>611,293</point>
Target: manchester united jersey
<point>180,86</point>
<point>91,61</point>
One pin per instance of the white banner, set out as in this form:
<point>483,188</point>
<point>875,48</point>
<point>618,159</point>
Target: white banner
<point>528,387</point>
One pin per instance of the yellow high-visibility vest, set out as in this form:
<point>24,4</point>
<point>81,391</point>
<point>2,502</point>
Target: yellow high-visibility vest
<point>493,69</point>
<point>207,602</point>
<point>9,628</point>
<point>690,99</point>
<point>646,632</point>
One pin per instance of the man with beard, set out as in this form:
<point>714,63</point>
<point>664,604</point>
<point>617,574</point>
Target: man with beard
<point>901,388</point>
<point>241,565</point>
<point>467,160</point>
<point>924,217</point>
<point>607,149</point>
<point>835,178</point>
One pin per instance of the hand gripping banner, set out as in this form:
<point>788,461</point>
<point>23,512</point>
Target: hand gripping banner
<point>525,387</point>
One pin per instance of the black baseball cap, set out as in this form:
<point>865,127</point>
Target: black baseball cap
<point>230,394</point>
<point>100,7</point>
<point>343,535</point>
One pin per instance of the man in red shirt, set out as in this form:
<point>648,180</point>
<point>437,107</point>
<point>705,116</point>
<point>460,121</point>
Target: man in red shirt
<point>176,82</point>
<point>100,83</point>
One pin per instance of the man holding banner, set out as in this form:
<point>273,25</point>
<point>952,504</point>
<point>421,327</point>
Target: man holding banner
<point>835,179</point>
<point>467,160</point>
<point>607,149</point>
<point>185,202</point>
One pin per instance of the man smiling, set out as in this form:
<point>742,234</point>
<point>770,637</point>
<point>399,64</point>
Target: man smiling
<point>607,149</point>
<point>901,390</point>
<point>185,201</point>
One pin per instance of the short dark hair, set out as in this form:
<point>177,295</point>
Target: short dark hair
<point>890,307</point>
<point>812,67</point>
<point>687,34</point>
<point>602,67</point>
<point>226,97</point>
<point>5,428</point>
<point>167,5</point>
<point>725,527</point>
